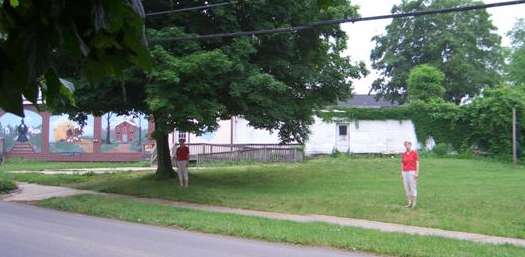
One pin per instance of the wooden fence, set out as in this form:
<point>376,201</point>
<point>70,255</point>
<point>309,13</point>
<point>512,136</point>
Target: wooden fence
<point>246,152</point>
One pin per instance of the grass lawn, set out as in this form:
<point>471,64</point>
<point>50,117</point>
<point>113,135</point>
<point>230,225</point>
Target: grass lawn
<point>14,164</point>
<point>316,234</point>
<point>464,195</point>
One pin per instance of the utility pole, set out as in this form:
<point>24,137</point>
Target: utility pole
<point>514,145</point>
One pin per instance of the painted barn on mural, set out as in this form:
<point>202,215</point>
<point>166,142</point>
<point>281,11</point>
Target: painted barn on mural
<point>44,136</point>
<point>354,136</point>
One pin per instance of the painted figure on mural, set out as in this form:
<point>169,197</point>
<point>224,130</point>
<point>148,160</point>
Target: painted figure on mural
<point>22,132</point>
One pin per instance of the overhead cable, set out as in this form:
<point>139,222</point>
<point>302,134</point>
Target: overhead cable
<point>340,21</point>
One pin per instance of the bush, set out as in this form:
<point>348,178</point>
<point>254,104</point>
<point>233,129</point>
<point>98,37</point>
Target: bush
<point>441,149</point>
<point>6,185</point>
<point>336,153</point>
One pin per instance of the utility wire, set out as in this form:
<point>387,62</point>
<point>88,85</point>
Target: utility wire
<point>195,8</point>
<point>340,21</point>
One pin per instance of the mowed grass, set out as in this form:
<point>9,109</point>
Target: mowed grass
<point>17,164</point>
<point>316,234</point>
<point>477,196</point>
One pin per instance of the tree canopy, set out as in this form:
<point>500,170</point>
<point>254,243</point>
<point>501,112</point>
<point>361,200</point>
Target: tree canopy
<point>463,45</point>
<point>425,83</point>
<point>516,67</point>
<point>274,81</point>
<point>101,37</point>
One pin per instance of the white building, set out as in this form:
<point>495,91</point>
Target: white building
<point>362,136</point>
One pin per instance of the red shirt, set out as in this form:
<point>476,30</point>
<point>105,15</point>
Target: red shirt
<point>183,153</point>
<point>409,160</point>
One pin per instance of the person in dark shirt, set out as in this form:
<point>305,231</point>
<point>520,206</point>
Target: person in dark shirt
<point>183,156</point>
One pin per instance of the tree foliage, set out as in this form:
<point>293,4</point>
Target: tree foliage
<point>425,83</point>
<point>274,81</point>
<point>516,67</point>
<point>102,37</point>
<point>464,46</point>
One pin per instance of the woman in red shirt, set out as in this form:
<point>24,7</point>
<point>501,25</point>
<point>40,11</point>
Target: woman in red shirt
<point>410,173</point>
<point>183,157</point>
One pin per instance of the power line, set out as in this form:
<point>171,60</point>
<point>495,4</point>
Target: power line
<point>195,8</point>
<point>340,21</point>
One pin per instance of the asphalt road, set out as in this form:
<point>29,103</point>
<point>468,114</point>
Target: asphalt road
<point>29,231</point>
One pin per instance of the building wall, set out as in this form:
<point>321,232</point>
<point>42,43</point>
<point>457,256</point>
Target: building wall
<point>220,136</point>
<point>244,134</point>
<point>385,137</point>
<point>322,138</point>
<point>87,149</point>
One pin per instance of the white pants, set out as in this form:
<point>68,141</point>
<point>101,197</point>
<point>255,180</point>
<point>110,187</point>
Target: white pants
<point>410,183</point>
<point>182,170</point>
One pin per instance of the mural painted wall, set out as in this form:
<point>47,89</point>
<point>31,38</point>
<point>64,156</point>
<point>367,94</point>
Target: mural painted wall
<point>123,134</point>
<point>67,136</point>
<point>22,134</point>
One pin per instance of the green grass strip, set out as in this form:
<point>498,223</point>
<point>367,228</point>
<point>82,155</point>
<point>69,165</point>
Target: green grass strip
<point>314,234</point>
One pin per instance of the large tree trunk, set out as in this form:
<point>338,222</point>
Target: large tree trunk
<point>108,129</point>
<point>164,166</point>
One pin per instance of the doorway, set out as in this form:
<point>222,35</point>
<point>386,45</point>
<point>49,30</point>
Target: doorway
<point>342,141</point>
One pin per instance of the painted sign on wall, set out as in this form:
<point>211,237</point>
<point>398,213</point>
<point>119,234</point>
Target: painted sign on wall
<point>123,134</point>
<point>22,134</point>
<point>67,136</point>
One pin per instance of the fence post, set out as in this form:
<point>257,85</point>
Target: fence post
<point>514,146</point>
<point>1,150</point>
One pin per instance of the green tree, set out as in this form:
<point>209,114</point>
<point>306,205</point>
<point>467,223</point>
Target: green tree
<point>516,66</point>
<point>425,83</point>
<point>274,81</point>
<point>490,119</point>
<point>102,36</point>
<point>464,46</point>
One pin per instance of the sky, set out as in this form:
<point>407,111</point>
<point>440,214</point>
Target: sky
<point>360,34</point>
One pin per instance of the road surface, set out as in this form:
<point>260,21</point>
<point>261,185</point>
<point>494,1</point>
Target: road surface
<point>32,231</point>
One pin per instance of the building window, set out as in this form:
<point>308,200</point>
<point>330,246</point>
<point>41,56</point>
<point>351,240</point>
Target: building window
<point>343,130</point>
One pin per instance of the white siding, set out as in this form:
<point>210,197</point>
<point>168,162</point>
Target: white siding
<point>244,134</point>
<point>364,136</point>
<point>381,136</point>
<point>220,136</point>
<point>321,139</point>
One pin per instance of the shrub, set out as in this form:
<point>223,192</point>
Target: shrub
<point>335,153</point>
<point>441,149</point>
<point>6,185</point>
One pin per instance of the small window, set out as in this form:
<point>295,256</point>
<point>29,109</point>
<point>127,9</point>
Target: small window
<point>182,135</point>
<point>343,130</point>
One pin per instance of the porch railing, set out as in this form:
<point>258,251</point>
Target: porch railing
<point>246,152</point>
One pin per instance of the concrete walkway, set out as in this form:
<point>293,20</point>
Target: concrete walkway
<point>81,171</point>
<point>33,192</point>
<point>86,170</point>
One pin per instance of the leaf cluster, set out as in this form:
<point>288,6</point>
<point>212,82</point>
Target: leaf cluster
<point>102,37</point>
